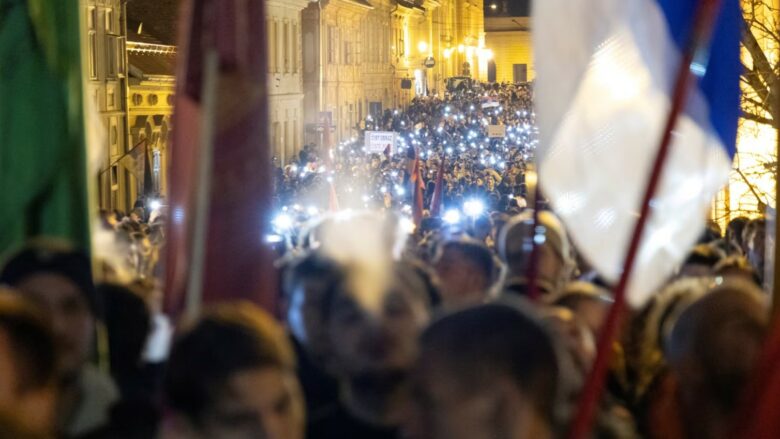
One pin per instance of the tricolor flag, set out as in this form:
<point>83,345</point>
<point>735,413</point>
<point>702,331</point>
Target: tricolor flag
<point>605,71</point>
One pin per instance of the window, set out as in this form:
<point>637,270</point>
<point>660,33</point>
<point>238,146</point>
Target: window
<point>137,99</point>
<point>294,56</point>
<point>170,100</point>
<point>358,51</point>
<point>111,56</point>
<point>271,46</point>
<point>347,52</point>
<point>275,48</point>
<point>110,21</point>
<point>331,44</point>
<point>110,103</point>
<point>113,135</point>
<point>93,62</point>
<point>286,46</point>
<point>152,99</point>
<point>92,41</point>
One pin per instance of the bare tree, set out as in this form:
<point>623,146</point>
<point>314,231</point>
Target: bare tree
<point>760,105</point>
<point>761,79</point>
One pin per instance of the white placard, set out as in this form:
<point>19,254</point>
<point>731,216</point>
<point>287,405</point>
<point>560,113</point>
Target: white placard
<point>496,131</point>
<point>378,141</point>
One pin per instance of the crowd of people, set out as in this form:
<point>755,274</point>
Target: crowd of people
<point>453,129</point>
<point>383,330</point>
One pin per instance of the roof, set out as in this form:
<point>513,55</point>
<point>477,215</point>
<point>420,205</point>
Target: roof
<point>157,19</point>
<point>143,64</point>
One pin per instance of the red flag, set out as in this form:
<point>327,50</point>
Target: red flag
<point>417,180</point>
<point>436,199</point>
<point>333,199</point>
<point>220,189</point>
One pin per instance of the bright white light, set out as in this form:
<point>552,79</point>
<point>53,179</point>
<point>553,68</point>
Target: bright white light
<point>273,239</point>
<point>422,46</point>
<point>155,204</point>
<point>283,222</point>
<point>399,190</point>
<point>473,208</point>
<point>452,216</point>
<point>407,225</point>
<point>311,210</point>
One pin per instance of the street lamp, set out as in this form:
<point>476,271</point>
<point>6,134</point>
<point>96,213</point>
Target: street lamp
<point>422,46</point>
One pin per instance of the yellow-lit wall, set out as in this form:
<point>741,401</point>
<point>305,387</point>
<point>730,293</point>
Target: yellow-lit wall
<point>509,48</point>
<point>751,184</point>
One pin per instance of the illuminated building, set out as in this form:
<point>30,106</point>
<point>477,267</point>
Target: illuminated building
<point>105,90</point>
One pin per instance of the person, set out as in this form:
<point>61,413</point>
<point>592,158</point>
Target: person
<point>701,261</point>
<point>58,279</point>
<point>587,301</point>
<point>136,415</point>
<point>476,379</point>
<point>28,358</point>
<point>231,374</point>
<point>734,235</point>
<point>754,241</point>
<point>712,351</point>
<point>306,284</point>
<point>555,263</point>
<point>465,269</point>
<point>373,352</point>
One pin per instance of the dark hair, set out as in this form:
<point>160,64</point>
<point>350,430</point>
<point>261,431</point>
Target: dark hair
<point>503,338</point>
<point>735,227</point>
<point>704,254</point>
<point>31,339</point>
<point>312,266</point>
<point>52,258</point>
<point>228,339</point>
<point>476,253</point>
<point>722,333</point>
<point>128,323</point>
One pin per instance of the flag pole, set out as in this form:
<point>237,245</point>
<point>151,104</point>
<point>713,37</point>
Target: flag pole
<point>706,12</point>
<point>533,264</point>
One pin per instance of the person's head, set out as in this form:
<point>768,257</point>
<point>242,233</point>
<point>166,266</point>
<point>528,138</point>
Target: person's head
<point>28,363</point>
<point>754,237</point>
<point>232,375</point>
<point>381,341</point>
<point>485,372</point>
<point>465,269</point>
<point>701,261</point>
<point>59,280</point>
<point>712,351</point>
<point>515,248</point>
<point>737,266</point>
<point>137,214</point>
<point>306,283</point>
<point>587,301</point>
<point>734,232</point>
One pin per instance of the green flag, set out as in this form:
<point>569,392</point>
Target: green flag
<point>43,176</point>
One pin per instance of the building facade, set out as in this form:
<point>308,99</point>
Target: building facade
<point>285,77</point>
<point>105,92</point>
<point>362,57</point>
<point>509,38</point>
